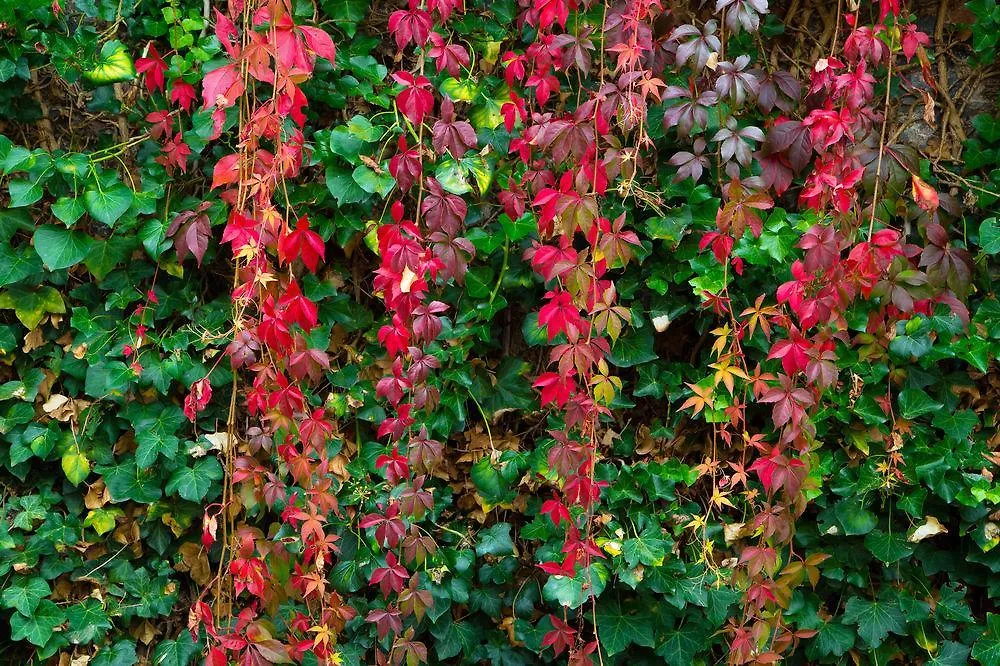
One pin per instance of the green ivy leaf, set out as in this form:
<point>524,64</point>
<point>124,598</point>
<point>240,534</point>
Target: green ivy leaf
<point>481,170</point>
<point>68,210</point>
<point>479,281</point>
<point>855,518</point>
<point>957,426</point>
<point>887,547</point>
<point>681,645</point>
<point>155,432</point>
<point>989,236</point>
<point>346,14</point>
<point>987,649</point>
<point>520,228</point>
<point>102,520</point>
<point>113,65</point>
<point>175,652</point>
<point>88,622</point>
<point>121,653</point>
<point>908,346</point>
<point>621,627</point>
<point>105,255</point>
<point>987,126</point>
<point>452,177</point>
<point>648,548</point>
<point>495,540</point>
<point>345,143</point>
<point>39,626</point>
<point>372,182</point>
<point>18,414</point>
<point>633,348</point>
<point>572,592</point>
<point>487,114</point>
<point>193,483</point>
<point>875,619</point>
<point>153,234</point>
<point>509,390</point>
<point>25,192</point>
<point>493,480</point>
<point>107,205</point>
<point>24,594</point>
<point>459,91</point>
<point>343,187</point>
<point>60,247</point>
<point>951,654</point>
<point>455,638</point>
<point>952,606</point>
<point>914,403</point>
<point>368,68</point>
<point>831,639</point>
<point>108,378</point>
<point>17,264</point>
<point>127,482</point>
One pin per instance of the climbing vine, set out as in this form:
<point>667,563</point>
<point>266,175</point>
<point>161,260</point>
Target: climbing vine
<point>529,331</point>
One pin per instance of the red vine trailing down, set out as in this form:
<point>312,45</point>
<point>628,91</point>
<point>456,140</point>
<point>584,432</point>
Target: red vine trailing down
<point>846,258</point>
<point>569,161</point>
<point>270,245</point>
<point>416,255</point>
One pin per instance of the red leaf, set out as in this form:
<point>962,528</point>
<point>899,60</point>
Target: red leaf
<point>560,315</point>
<point>443,211</point>
<point>225,31</point>
<point>191,230</point>
<point>222,87</point>
<point>415,100</point>
<point>302,243</point>
<point>410,26</point>
<point>925,195</point>
<point>153,66</point>
<point>454,136</point>
<point>390,578</point>
<point>406,165</point>
<point>182,94</point>
<point>297,309</point>
<point>197,398</point>
<point>396,466</point>
<point>174,154</point>
<point>226,171</point>
<point>319,42</point>
<point>561,637</point>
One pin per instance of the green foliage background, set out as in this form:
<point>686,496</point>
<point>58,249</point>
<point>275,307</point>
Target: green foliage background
<point>104,481</point>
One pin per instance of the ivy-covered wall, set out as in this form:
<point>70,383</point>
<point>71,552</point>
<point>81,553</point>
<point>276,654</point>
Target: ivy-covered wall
<point>505,332</point>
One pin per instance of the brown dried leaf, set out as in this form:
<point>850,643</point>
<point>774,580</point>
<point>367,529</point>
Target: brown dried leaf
<point>195,560</point>
<point>33,340</point>
<point>97,495</point>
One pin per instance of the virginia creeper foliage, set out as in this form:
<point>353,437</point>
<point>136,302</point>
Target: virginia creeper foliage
<point>515,332</point>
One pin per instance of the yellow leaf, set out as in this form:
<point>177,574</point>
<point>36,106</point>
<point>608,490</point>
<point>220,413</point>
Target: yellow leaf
<point>612,548</point>
<point>76,466</point>
<point>102,520</point>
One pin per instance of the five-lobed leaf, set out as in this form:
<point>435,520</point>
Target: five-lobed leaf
<point>875,619</point>
<point>622,626</point>
<point>38,627</point>
<point>24,594</point>
<point>194,483</point>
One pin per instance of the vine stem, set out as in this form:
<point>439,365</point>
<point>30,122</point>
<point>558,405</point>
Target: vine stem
<point>881,148</point>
